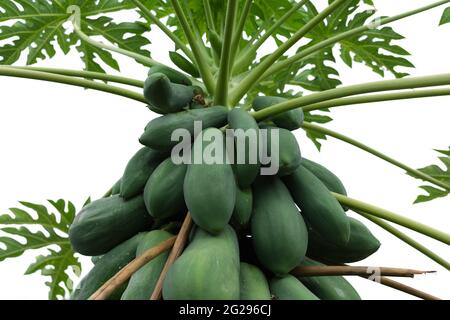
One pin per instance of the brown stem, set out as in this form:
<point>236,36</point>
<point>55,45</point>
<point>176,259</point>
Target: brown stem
<point>404,288</point>
<point>174,254</point>
<point>318,271</point>
<point>123,275</point>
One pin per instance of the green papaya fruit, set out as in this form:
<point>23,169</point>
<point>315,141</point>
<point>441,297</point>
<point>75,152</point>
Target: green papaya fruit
<point>173,75</point>
<point>253,283</point>
<point>210,189</point>
<point>163,193</point>
<point>138,170</point>
<point>290,288</point>
<point>143,282</point>
<point>106,267</point>
<point>157,110</point>
<point>105,223</point>
<point>320,209</point>
<point>243,209</point>
<point>291,120</point>
<point>158,132</point>
<point>116,187</point>
<point>246,164</point>
<point>280,237</point>
<point>207,270</point>
<point>95,259</point>
<point>362,244</point>
<point>286,150</point>
<point>184,64</point>
<point>328,178</point>
<point>328,288</point>
<point>165,95</point>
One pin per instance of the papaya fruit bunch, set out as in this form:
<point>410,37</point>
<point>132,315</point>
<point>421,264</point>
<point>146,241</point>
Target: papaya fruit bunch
<point>250,229</point>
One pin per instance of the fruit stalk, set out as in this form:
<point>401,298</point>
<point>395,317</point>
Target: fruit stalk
<point>177,249</point>
<point>315,271</point>
<point>123,275</point>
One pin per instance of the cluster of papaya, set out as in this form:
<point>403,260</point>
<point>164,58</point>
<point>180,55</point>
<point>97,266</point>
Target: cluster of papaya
<point>250,230</point>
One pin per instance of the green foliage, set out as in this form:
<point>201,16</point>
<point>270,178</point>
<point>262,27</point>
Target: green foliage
<point>36,24</point>
<point>445,17</point>
<point>43,229</point>
<point>438,173</point>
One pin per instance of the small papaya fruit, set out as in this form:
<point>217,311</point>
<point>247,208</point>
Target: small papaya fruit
<point>163,193</point>
<point>210,188</point>
<point>208,269</point>
<point>291,120</point>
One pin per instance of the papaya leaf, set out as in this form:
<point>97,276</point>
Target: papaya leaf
<point>445,17</point>
<point>39,26</point>
<point>314,136</point>
<point>438,173</point>
<point>43,229</point>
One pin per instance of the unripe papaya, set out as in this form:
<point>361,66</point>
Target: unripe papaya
<point>116,187</point>
<point>280,237</point>
<point>207,270</point>
<point>106,267</point>
<point>163,193</point>
<point>173,75</point>
<point>158,132</point>
<point>105,223</point>
<point>210,189</point>
<point>328,178</point>
<point>242,209</point>
<point>247,145</point>
<point>361,245</point>
<point>288,155</point>
<point>138,170</point>
<point>166,96</point>
<point>143,282</point>
<point>253,283</point>
<point>290,288</point>
<point>291,120</point>
<point>184,64</point>
<point>321,210</point>
<point>328,288</point>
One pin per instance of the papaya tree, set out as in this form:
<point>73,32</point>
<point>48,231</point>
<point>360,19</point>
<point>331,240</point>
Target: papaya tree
<point>175,228</point>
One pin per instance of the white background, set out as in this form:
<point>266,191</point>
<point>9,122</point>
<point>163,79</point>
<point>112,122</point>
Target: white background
<point>64,142</point>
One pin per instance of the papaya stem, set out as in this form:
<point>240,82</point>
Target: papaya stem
<point>177,249</point>
<point>240,63</point>
<point>413,172</point>
<point>150,16</point>
<point>75,19</point>
<point>238,35</point>
<point>377,98</point>
<point>51,77</point>
<point>348,34</point>
<point>320,271</point>
<point>405,238</point>
<point>345,91</point>
<point>201,58</point>
<point>221,97</point>
<point>209,16</point>
<point>404,288</point>
<point>255,75</point>
<point>393,217</point>
<point>125,273</point>
<point>86,75</point>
